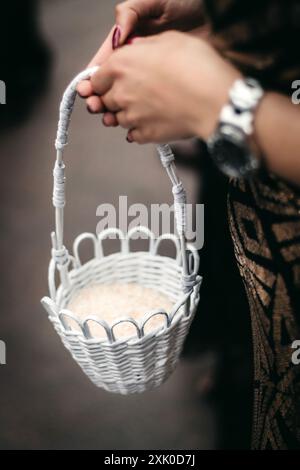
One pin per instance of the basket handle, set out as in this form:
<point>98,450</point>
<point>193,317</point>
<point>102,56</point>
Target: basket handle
<point>59,252</point>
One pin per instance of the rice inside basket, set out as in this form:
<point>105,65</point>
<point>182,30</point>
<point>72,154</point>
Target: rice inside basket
<point>111,302</point>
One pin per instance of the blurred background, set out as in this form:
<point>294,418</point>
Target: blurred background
<point>46,402</point>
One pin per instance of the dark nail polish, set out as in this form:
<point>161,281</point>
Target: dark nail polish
<point>116,37</point>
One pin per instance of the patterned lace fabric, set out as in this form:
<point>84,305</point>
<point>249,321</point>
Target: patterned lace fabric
<point>260,38</point>
<point>264,219</point>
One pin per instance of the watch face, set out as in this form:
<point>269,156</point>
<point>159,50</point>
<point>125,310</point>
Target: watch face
<point>232,155</point>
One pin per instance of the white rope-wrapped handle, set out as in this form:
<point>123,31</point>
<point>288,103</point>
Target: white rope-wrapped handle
<point>67,105</point>
<point>59,252</point>
<point>168,161</point>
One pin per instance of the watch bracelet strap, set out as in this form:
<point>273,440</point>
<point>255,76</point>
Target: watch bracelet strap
<point>238,114</point>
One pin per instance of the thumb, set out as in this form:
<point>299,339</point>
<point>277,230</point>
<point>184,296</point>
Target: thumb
<point>132,12</point>
<point>127,19</point>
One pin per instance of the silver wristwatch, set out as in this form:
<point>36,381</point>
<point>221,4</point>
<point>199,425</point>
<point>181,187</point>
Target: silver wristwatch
<point>229,145</point>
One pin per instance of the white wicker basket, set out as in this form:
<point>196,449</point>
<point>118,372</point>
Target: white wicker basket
<point>146,360</point>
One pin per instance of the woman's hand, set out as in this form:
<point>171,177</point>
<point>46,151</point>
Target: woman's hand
<point>140,17</point>
<point>165,87</point>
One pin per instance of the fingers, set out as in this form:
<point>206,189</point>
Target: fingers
<point>85,89</point>
<point>95,104</point>
<point>124,120</point>
<point>110,120</point>
<point>144,135</point>
<point>135,135</point>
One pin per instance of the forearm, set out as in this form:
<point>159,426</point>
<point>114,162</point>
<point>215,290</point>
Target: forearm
<point>277,134</point>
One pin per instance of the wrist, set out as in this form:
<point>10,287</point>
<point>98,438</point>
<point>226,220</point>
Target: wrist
<point>206,121</point>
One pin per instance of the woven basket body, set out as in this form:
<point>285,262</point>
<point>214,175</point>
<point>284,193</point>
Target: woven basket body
<point>144,360</point>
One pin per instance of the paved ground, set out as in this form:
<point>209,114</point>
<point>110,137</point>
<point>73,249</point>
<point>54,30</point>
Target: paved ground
<point>45,400</point>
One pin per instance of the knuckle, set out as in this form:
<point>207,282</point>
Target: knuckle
<point>108,101</point>
<point>117,98</point>
<point>126,117</point>
<point>122,119</point>
<point>131,117</point>
<point>122,96</point>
